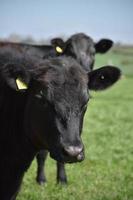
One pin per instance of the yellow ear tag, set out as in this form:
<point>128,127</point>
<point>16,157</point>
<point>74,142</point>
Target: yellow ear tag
<point>21,85</point>
<point>59,50</point>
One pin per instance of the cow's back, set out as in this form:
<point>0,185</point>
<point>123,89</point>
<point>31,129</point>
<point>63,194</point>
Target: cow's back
<point>38,51</point>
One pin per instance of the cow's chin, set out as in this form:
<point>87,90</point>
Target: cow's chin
<point>62,158</point>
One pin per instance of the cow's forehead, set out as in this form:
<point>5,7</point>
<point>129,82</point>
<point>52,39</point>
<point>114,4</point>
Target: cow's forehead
<point>82,43</point>
<point>71,85</point>
<point>68,97</point>
<point>63,70</point>
<point>79,39</point>
<point>69,77</point>
<point>80,36</point>
<point>64,76</point>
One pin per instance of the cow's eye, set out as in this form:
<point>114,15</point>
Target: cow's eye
<point>42,99</point>
<point>39,95</point>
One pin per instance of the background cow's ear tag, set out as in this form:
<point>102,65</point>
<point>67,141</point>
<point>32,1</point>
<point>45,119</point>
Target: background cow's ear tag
<point>59,49</point>
<point>21,85</point>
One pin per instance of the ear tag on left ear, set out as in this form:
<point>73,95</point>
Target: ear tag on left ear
<point>59,49</point>
<point>21,85</point>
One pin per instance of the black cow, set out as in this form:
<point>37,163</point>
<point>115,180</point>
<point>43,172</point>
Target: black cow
<point>79,46</point>
<point>82,48</point>
<point>42,106</point>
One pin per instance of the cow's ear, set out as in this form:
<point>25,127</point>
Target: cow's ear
<point>103,45</point>
<point>16,77</point>
<point>103,77</point>
<point>59,45</point>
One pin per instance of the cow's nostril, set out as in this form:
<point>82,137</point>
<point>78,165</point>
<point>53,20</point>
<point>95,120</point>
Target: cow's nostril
<point>73,150</point>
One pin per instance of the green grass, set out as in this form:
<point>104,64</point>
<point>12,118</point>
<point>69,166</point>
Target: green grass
<point>121,58</point>
<point>107,172</point>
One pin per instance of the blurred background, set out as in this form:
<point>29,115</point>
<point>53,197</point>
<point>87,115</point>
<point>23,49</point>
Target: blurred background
<point>43,19</point>
<point>106,173</point>
<point>36,22</point>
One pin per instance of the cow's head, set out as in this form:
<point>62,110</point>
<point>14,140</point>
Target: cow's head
<point>82,48</point>
<point>57,98</point>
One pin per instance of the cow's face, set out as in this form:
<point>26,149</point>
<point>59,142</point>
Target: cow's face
<point>82,48</point>
<point>56,103</point>
<point>55,111</point>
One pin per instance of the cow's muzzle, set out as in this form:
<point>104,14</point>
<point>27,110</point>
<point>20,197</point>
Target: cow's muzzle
<point>74,153</point>
<point>69,154</point>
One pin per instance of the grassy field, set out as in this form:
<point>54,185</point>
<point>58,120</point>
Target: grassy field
<point>107,172</point>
